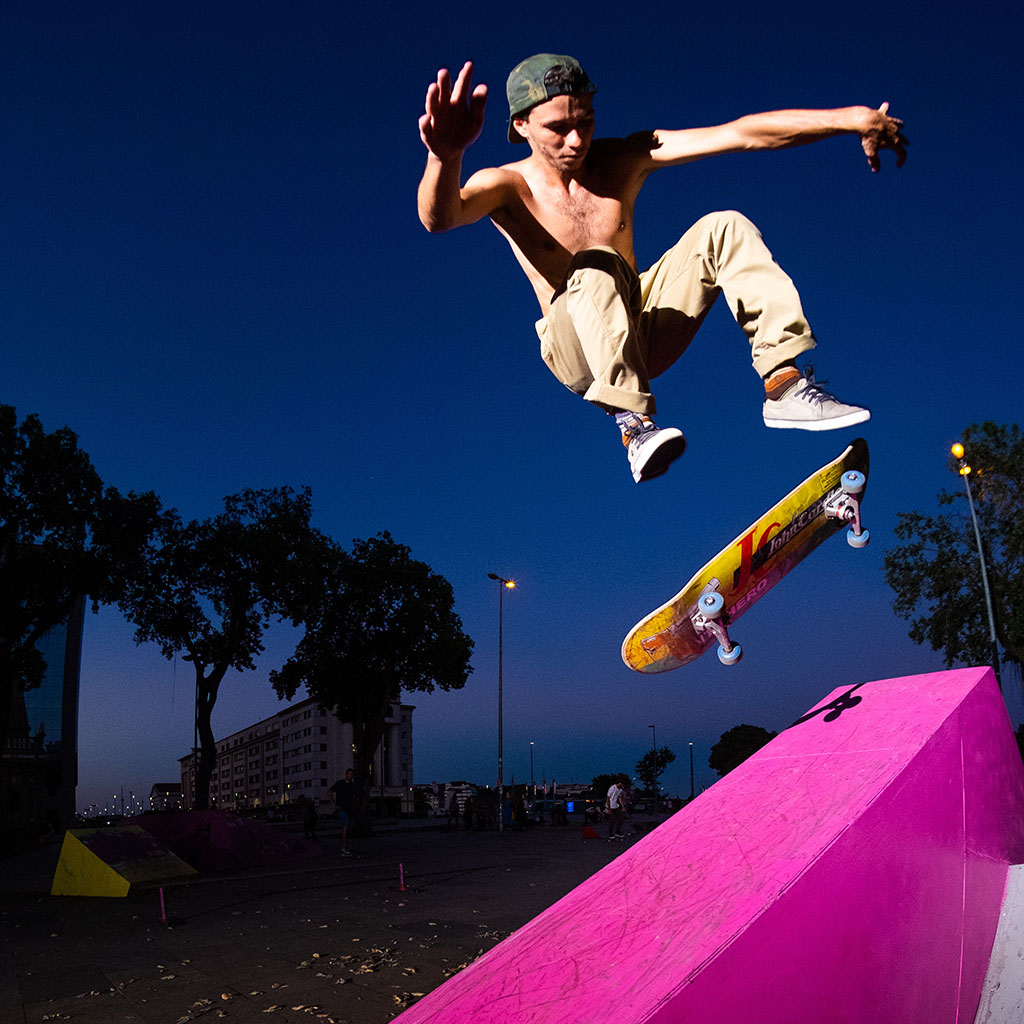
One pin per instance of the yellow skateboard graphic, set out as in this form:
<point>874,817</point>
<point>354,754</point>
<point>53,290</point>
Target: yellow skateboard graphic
<point>739,575</point>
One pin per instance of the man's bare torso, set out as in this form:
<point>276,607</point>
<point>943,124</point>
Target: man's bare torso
<point>548,222</point>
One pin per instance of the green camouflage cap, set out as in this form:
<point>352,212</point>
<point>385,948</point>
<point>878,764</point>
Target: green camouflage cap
<point>540,77</point>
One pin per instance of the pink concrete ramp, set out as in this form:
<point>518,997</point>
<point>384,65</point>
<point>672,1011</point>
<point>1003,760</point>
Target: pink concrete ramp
<point>851,871</point>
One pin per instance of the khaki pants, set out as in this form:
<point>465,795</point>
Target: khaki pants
<point>609,331</point>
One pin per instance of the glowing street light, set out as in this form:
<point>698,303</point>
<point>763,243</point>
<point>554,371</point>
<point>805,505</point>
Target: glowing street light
<point>505,585</point>
<point>965,471</point>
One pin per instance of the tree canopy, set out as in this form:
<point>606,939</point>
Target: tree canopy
<point>49,494</point>
<point>55,515</point>
<point>209,589</point>
<point>381,623</point>
<point>736,745</point>
<point>376,621</point>
<point>935,572</point>
<point>600,784</point>
<point>652,765</point>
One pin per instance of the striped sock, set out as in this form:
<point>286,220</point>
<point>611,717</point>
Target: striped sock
<point>779,381</point>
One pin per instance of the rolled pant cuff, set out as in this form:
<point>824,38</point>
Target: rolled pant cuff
<point>766,361</point>
<point>614,399</point>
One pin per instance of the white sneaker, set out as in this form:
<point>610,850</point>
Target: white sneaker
<point>651,449</point>
<point>808,406</point>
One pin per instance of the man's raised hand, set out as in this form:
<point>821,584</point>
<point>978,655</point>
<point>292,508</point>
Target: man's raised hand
<point>454,115</point>
<point>885,132</point>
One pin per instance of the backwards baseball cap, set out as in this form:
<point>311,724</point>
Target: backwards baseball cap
<point>539,78</point>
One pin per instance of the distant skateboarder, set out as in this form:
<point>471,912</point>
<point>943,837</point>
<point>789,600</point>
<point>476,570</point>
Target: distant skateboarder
<point>344,797</point>
<point>567,212</point>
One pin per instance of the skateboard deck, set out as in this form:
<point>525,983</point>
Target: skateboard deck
<point>683,628</point>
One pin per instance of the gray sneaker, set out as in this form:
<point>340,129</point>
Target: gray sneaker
<point>651,449</point>
<point>808,406</point>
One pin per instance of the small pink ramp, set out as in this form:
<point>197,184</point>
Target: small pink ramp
<point>852,870</point>
<point>215,841</point>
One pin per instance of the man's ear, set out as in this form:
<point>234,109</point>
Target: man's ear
<point>519,123</point>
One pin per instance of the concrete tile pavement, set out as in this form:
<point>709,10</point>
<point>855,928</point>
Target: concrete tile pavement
<point>331,939</point>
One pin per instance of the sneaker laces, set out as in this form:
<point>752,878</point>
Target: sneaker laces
<point>811,390</point>
<point>634,426</point>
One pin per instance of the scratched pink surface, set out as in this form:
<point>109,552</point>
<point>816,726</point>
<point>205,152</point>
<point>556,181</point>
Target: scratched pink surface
<point>852,870</point>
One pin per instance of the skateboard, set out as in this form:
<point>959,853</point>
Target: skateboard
<point>682,629</point>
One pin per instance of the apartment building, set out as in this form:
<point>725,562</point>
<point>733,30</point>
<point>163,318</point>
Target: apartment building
<point>302,751</point>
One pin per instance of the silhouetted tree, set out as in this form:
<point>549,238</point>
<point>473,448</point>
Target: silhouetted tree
<point>652,765</point>
<point>54,513</point>
<point>381,623</point>
<point>736,745</point>
<point>935,571</point>
<point>209,589</point>
<point>601,784</point>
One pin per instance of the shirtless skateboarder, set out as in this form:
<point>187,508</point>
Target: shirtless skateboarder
<point>567,212</point>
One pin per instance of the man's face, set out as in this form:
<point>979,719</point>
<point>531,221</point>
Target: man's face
<point>560,130</point>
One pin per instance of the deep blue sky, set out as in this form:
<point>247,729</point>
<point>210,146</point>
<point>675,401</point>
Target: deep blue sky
<point>213,272</point>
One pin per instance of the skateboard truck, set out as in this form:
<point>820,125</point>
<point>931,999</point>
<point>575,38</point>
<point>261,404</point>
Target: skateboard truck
<point>710,616</point>
<point>845,506</point>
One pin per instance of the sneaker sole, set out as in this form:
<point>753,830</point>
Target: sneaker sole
<point>836,423</point>
<point>660,459</point>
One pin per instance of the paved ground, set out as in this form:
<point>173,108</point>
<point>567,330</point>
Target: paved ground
<point>330,939</point>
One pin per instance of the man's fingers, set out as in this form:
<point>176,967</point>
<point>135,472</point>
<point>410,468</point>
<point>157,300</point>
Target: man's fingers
<point>462,83</point>
<point>870,147</point>
<point>444,85</point>
<point>477,102</point>
<point>889,135</point>
<point>453,114</point>
<point>433,94</point>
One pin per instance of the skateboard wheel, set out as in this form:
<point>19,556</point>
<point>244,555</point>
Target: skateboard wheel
<point>858,542</point>
<point>730,657</point>
<point>711,605</point>
<point>852,482</point>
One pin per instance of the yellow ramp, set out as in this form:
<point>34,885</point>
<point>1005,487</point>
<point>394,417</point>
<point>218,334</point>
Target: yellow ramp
<point>111,861</point>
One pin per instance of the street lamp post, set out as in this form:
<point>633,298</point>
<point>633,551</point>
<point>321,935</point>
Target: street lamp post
<point>654,750</point>
<point>691,769</point>
<point>504,585</point>
<point>533,788</point>
<point>965,471</point>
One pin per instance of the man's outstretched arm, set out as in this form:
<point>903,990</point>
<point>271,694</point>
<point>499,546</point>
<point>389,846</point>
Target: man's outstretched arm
<point>781,129</point>
<point>452,122</point>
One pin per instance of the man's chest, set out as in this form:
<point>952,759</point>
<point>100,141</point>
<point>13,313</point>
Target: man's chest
<point>579,218</point>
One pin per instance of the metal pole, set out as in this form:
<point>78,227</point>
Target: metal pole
<point>691,769</point>
<point>654,750</point>
<point>965,469</point>
<point>501,764</point>
<point>984,583</point>
<point>533,788</point>
<point>502,584</point>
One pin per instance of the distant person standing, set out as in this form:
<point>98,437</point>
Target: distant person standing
<point>343,796</point>
<point>615,805</point>
<point>310,818</point>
